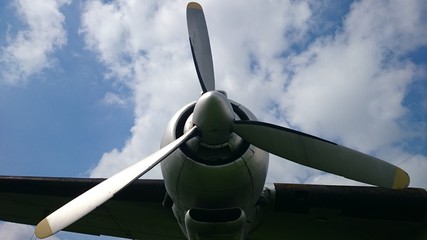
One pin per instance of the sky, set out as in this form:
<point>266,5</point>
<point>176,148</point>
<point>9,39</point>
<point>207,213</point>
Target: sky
<point>88,87</point>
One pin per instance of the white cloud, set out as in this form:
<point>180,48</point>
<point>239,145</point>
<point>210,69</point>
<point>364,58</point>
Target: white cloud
<point>351,86</point>
<point>416,166</point>
<point>29,52</point>
<point>346,86</point>
<point>113,99</point>
<point>394,26</point>
<point>340,91</point>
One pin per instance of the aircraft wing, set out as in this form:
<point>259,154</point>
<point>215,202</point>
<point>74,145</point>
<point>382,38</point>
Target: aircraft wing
<point>297,211</point>
<point>291,211</point>
<point>136,212</point>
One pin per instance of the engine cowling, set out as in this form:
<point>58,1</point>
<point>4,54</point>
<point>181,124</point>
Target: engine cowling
<point>213,177</point>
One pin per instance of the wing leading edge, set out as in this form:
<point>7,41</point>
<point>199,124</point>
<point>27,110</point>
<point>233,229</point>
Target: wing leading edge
<point>136,212</point>
<point>298,211</point>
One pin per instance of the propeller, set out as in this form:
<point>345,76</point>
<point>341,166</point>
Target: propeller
<point>212,117</point>
<point>94,197</point>
<point>214,122</point>
<point>200,46</point>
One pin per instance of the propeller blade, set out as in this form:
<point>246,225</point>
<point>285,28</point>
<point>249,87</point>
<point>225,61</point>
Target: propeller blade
<point>321,154</point>
<point>94,197</point>
<point>200,46</point>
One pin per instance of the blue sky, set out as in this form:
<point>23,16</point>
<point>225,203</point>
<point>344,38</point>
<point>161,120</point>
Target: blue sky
<point>87,88</point>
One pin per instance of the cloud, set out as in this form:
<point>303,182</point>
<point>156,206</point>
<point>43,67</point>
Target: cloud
<point>416,166</point>
<point>347,85</point>
<point>350,86</point>
<point>114,99</point>
<point>30,51</point>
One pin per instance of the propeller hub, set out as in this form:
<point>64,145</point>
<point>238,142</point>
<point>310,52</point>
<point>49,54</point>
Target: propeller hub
<point>213,115</point>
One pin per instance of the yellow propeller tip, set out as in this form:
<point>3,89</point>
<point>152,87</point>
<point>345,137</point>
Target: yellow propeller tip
<point>401,179</point>
<point>43,229</point>
<point>194,5</point>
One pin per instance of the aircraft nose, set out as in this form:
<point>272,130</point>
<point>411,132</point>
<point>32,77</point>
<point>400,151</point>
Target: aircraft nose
<point>213,115</point>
